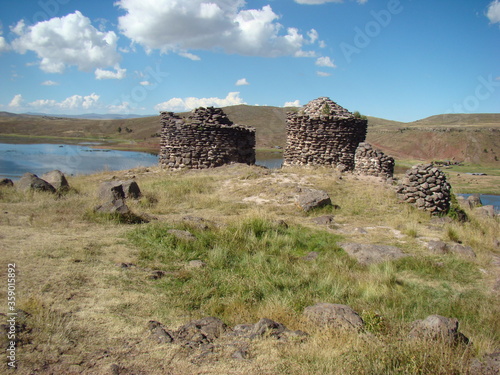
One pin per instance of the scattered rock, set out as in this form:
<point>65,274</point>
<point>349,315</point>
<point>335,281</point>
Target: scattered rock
<point>488,365</point>
<point>6,182</point>
<point>485,211</point>
<point>198,332</point>
<point>111,190</point>
<point>159,333</point>
<point>441,248</point>
<point>310,199</point>
<point>157,274</point>
<point>31,181</point>
<point>115,206</point>
<point>323,220</point>
<point>182,234</point>
<point>57,179</point>
<point>197,222</point>
<point>462,250</point>
<point>196,264</point>
<point>438,247</point>
<point>438,328</point>
<point>334,315</point>
<point>474,200</point>
<point>370,254</point>
<point>313,255</point>
<point>131,189</point>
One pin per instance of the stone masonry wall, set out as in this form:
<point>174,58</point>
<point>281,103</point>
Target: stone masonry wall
<point>426,187</point>
<point>371,162</point>
<point>205,139</point>
<point>323,133</point>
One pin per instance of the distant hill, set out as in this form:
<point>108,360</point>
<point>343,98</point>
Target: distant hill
<point>474,138</point>
<point>90,116</point>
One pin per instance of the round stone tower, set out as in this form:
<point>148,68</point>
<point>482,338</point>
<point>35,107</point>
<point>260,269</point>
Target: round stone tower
<point>323,133</point>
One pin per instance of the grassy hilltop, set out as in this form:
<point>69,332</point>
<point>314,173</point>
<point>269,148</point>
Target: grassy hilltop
<point>90,283</point>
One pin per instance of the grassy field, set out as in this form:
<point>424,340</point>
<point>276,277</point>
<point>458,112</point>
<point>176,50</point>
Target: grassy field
<point>88,313</point>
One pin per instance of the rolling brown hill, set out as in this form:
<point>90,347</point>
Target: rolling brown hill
<point>473,138</point>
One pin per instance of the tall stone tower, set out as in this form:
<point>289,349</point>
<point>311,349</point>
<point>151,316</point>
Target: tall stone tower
<point>323,133</point>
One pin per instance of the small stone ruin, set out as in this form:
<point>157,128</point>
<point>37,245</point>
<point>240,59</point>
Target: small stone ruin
<point>425,187</point>
<point>371,162</point>
<point>323,133</point>
<point>207,138</point>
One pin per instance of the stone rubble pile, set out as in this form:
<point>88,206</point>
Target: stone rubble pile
<point>371,162</point>
<point>323,133</point>
<point>425,187</point>
<point>207,138</point>
<point>325,106</point>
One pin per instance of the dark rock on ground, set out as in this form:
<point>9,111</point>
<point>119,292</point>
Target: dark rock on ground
<point>334,315</point>
<point>441,248</point>
<point>6,182</point>
<point>438,328</point>
<point>488,365</point>
<point>131,189</point>
<point>323,220</point>
<point>110,190</point>
<point>313,255</point>
<point>57,179</point>
<point>309,199</point>
<point>115,206</point>
<point>485,211</point>
<point>369,253</point>
<point>31,181</point>
<point>182,234</point>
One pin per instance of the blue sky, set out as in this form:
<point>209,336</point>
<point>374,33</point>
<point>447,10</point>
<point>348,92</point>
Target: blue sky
<point>397,59</point>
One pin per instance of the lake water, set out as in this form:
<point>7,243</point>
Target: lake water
<point>17,159</point>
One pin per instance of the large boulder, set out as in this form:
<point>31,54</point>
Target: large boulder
<point>370,254</point>
<point>334,316</point>
<point>115,206</point>
<point>485,211</point>
<point>438,328</point>
<point>6,182</point>
<point>309,199</point>
<point>30,181</point>
<point>57,179</point>
<point>110,190</point>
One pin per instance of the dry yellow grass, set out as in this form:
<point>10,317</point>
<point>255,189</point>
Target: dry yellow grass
<point>87,313</point>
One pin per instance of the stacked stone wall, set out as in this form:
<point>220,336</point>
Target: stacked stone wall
<point>425,187</point>
<point>205,139</point>
<point>323,133</point>
<point>371,162</point>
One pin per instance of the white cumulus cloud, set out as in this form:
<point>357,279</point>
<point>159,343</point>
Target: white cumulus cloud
<point>295,103</point>
<point>166,25</point>
<point>242,82</point>
<point>326,62</point>
<point>187,104</point>
<point>108,74</point>
<point>75,102</point>
<point>323,74</point>
<point>49,83</point>
<point>493,12</point>
<point>17,101</point>
<point>65,41</point>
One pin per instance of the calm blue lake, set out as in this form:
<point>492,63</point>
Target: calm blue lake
<point>17,159</point>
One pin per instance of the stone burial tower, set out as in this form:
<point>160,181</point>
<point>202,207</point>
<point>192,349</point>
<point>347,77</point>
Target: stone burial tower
<point>323,133</point>
<point>206,138</point>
